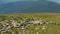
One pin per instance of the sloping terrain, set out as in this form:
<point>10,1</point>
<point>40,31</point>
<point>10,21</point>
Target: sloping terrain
<point>30,6</point>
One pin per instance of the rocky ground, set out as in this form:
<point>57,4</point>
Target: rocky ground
<point>26,26</point>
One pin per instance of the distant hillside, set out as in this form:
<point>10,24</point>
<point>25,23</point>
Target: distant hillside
<point>30,6</point>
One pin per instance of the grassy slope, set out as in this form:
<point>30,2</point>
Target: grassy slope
<point>55,29</point>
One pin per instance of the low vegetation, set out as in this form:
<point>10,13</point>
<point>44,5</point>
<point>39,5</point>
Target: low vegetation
<point>41,23</point>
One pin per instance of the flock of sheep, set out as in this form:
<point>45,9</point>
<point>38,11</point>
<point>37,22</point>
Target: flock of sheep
<point>7,25</point>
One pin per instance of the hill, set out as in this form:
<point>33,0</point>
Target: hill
<point>30,6</point>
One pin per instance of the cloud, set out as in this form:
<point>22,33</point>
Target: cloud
<point>57,1</point>
<point>7,1</point>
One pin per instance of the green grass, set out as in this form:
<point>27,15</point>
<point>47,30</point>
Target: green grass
<point>55,29</point>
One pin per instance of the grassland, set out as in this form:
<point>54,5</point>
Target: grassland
<point>54,29</point>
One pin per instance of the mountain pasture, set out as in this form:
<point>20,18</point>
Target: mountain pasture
<point>51,28</point>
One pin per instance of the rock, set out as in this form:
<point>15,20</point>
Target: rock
<point>37,33</point>
<point>36,28</point>
<point>22,28</point>
<point>28,31</point>
<point>44,27</point>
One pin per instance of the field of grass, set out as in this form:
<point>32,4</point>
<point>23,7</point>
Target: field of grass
<point>51,29</point>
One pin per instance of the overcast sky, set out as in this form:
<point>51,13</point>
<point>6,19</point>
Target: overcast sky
<point>6,1</point>
<point>58,1</point>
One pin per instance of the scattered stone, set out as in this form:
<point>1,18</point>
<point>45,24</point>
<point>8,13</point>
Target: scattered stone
<point>23,33</point>
<point>22,28</point>
<point>31,31</point>
<point>44,28</point>
<point>36,28</point>
<point>8,25</point>
<point>37,33</point>
<point>28,31</point>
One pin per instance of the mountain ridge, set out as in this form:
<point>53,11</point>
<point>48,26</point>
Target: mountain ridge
<point>30,6</point>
